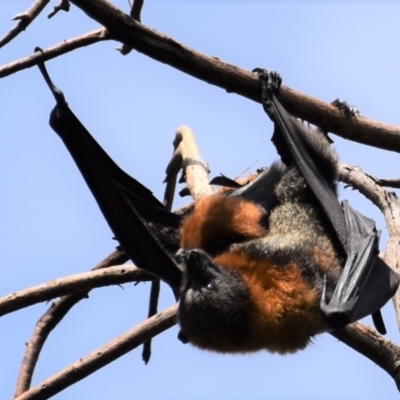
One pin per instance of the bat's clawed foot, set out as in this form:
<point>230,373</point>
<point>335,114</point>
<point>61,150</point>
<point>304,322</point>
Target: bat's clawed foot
<point>270,81</point>
<point>270,85</point>
<point>346,109</point>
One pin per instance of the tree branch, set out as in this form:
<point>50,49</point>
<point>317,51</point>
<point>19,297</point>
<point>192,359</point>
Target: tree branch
<point>214,71</point>
<point>233,79</point>
<point>24,19</point>
<point>370,344</point>
<point>54,51</point>
<point>102,356</point>
<point>71,284</point>
<point>135,14</point>
<point>50,319</point>
<point>394,183</point>
<point>186,156</point>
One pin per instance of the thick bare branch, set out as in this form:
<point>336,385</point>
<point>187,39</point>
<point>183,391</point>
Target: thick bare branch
<point>50,319</point>
<point>71,284</point>
<point>104,355</point>
<point>214,71</point>
<point>369,343</point>
<point>24,19</point>
<point>54,51</point>
<point>233,79</point>
<point>135,14</point>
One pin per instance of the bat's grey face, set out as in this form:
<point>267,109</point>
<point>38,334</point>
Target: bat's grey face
<point>214,299</point>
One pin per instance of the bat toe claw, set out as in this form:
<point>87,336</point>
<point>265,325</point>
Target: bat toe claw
<point>346,109</point>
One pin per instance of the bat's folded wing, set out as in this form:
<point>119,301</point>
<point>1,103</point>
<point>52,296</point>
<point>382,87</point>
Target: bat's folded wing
<point>367,282</point>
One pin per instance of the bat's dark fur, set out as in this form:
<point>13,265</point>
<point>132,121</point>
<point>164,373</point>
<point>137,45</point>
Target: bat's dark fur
<point>271,251</point>
<point>256,260</point>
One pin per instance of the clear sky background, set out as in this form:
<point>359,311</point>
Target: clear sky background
<point>51,227</point>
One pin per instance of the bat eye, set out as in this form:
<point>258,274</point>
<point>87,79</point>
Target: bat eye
<point>180,256</point>
<point>210,287</point>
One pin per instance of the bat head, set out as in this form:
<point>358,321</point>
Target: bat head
<point>213,304</point>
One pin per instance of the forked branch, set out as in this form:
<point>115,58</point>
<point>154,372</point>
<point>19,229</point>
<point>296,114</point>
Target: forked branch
<point>50,319</point>
<point>71,284</point>
<point>233,79</point>
<point>24,19</point>
<point>160,47</point>
<point>97,359</point>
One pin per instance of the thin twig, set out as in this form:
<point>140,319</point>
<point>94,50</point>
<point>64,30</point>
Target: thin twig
<point>71,284</point>
<point>52,52</point>
<point>63,5</point>
<point>50,319</point>
<point>153,305</point>
<point>104,355</point>
<point>394,183</point>
<point>24,19</point>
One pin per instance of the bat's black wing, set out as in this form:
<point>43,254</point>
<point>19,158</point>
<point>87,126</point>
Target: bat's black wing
<point>124,202</point>
<point>366,282</point>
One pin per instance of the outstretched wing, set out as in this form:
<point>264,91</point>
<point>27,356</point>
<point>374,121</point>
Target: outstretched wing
<point>124,201</point>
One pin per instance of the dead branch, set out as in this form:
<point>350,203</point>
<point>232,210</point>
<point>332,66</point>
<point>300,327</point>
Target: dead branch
<point>370,344</point>
<point>83,367</point>
<point>214,71</point>
<point>233,79</point>
<point>50,319</point>
<point>136,10</point>
<point>52,52</point>
<point>71,284</point>
<point>24,19</point>
<point>186,156</point>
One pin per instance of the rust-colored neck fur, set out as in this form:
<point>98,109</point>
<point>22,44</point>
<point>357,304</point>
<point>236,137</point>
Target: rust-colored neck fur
<point>218,221</point>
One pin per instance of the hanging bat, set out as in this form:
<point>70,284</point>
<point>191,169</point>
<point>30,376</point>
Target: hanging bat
<point>264,266</point>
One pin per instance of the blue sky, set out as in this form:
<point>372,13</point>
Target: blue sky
<point>51,227</point>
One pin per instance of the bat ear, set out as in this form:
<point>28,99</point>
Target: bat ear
<point>223,180</point>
